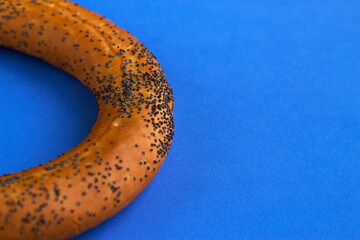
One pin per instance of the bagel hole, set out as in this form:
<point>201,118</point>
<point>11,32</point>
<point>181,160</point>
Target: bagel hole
<point>43,111</point>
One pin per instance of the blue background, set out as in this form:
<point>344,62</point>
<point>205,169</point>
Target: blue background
<point>267,141</point>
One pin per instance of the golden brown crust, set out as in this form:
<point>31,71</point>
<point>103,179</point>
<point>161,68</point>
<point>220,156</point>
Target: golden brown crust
<point>128,143</point>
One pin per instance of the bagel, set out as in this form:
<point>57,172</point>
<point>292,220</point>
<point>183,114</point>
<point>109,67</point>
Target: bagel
<point>126,146</point>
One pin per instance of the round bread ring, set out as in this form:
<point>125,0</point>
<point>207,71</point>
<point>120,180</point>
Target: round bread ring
<point>126,146</point>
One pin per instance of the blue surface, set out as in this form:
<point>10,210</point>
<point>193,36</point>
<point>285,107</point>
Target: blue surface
<point>267,141</point>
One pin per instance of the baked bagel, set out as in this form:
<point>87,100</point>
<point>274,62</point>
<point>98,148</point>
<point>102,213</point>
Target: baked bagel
<point>128,142</point>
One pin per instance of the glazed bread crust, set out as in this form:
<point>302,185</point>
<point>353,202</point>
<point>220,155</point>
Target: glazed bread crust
<point>126,146</point>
